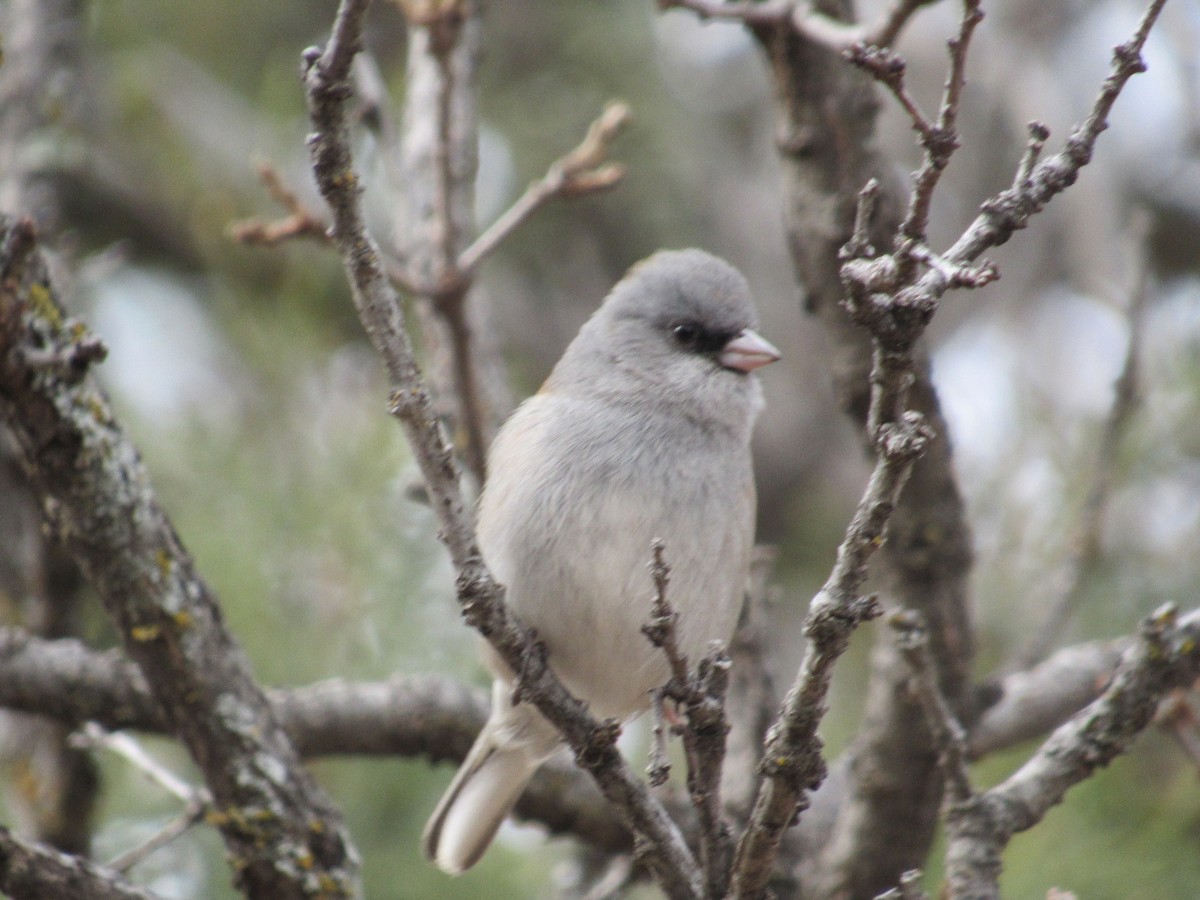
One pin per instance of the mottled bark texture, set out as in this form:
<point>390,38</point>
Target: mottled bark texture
<point>283,837</point>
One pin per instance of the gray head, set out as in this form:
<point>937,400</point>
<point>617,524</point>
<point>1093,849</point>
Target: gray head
<point>681,323</point>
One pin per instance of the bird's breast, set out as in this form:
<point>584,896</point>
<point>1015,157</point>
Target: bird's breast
<point>575,499</point>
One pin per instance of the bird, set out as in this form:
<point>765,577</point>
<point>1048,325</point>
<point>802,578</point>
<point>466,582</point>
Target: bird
<point>640,433</point>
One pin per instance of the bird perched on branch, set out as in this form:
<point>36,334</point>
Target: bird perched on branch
<point>642,431</point>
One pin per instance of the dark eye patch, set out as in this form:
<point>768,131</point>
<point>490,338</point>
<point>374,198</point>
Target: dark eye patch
<point>693,336</point>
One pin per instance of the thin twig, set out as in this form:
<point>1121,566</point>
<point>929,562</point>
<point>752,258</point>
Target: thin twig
<point>909,888</point>
<point>771,12</point>
<point>889,68</point>
<point>300,222</point>
<point>197,800</point>
<point>801,16</point>
<point>92,736</point>
<point>793,765</point>
<point>793,762</point>
<point>700,693</point>
<point>584,170</point>
<point>1038,135</point>
<point>948,735</point>
<point>191,816</point>
<point>658,769</point>
<point>941,141</point>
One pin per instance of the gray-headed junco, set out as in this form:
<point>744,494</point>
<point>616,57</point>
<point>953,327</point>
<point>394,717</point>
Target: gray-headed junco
<point>642,431</point>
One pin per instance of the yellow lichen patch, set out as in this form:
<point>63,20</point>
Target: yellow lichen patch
<point>163,560</point>
<point>97,408</point>
<point>44,306</point>
<point>143,633</point>
<point>331,887</point>
<point>216,818</point>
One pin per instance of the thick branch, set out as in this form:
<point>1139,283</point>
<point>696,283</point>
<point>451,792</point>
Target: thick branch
<point>1166,657</point>
<point>283,837</point>
<point>35,872</point>
<point>1033,701</point>
<point>438,155</point>
<point>420,716</point>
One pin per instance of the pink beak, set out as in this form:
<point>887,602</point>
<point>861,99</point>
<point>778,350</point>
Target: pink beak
<point>747,352</point>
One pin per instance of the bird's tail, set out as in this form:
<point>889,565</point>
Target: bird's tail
<point>513,743</point>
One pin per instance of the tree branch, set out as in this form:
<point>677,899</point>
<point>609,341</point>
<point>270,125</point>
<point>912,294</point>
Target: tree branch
<point>947,734</point>
<point>792,763</point>
<point>1165,657</point>
<point>808,19</point>
<point>700,692</point>
<point>1034,701</point>
<point>584,170</point>
<point>34,872</point>
<point>418,716</point>
<point>284,838</point>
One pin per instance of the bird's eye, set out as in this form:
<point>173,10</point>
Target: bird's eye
<point>687,333</point>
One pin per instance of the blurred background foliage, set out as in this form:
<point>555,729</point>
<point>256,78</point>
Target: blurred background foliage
<point>261,411</point>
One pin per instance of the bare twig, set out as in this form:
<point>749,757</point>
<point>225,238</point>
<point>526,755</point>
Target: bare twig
<point>663,618</point>
<point>1166,657</point>
<point>888,68</point>
<point>584,170</point>
<point>300,222</point>
<point>893,20</point>
<point>191,816</point>
<point>658,769</point>
<point>197,801</point>
<point>808,21</point>
<point>93,736</point>
<point>700,693</point>
<point>792,762</point>
<point>1038,135</point>
<point>1011,210</point>
<point>941,142</point>
<point>909,888</point>
<point>481,598</point>
<point>749,12</point>
<point>939,138</point>
<point>948,735</point>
